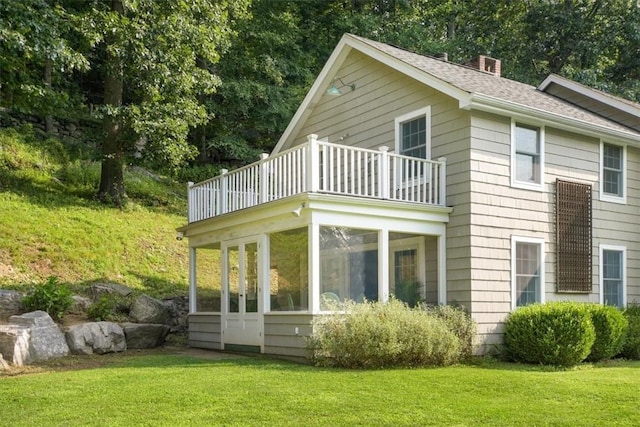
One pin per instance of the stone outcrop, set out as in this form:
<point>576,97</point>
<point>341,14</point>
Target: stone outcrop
<point>96,337</point>
<point>145,335</point>
<point>3,364</point>
<point>99,289</point>
<point>46,341</point>
<point>80,305</point>
<point>149,310</point>
<point>14,344</point>
<point>10,304</point>
<point>178,309</point>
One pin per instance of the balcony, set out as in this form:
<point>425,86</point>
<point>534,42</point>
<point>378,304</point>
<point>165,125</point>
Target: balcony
<point>320,167</point>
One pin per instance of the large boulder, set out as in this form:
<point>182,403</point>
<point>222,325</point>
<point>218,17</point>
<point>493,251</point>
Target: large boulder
<point>145,335</point>
<point>14,344</point>
<point>46,341</point>
<point>10,304</point>
<point>96,337</point>
<point>149,310</point>
<point>178,309</point>
<point>98,289</point>
<point>3,364</point>
<point>80,305</point>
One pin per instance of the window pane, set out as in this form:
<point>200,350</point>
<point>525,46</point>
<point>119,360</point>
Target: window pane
<point>208,280</point>
<point>233,263</point>
<point>289,270</point>
<point>527,154</point>
<point>612,277</point>
<point>612,157</point>
<point>348,265</point>
<point>251,277</point>
<point>527,140</point>
<point>527,273</point>
<point>413,138</point>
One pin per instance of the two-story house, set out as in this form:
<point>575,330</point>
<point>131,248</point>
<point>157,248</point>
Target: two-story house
<point>412,176</point>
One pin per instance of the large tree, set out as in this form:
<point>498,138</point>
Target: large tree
<point>158,60</point>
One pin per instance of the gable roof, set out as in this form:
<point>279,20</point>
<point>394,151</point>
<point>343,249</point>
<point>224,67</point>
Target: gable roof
<point>473,89</point>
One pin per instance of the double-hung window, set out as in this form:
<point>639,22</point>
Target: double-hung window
<point>527,156</point>
<point>527,271</point>
<point>612,173</point>
<point>413,144</point>
<point>612,275</point>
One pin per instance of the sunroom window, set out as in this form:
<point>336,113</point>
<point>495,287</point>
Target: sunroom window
<point>289,270</point>
<point>208,279</point>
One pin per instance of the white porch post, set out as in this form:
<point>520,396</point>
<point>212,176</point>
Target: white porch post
<point>264,178</point>
<point>192,281</point>
<point>383,265</point>
<point>313,167</point>
<point>383,173</point>
<point>442,184</point>
<point>442,267</point>
<point>314,267</point>
<point>222,195</point>
<point>190,203</point>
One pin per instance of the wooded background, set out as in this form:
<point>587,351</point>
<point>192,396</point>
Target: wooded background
<point>201,84</point>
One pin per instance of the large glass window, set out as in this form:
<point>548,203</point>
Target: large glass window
<point>348,265</point>
<point>406,267</point>
<point>208,279</point>
<point>289,270</point>
<point>612,173</point>
<point>612,276</point>
<point>528,154</point>
<point>527,268</point>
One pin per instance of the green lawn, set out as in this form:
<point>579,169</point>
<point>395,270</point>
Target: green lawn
<point>184,390</point>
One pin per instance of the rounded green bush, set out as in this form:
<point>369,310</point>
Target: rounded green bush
<point>557,333</point>
<point>631,346</point>
<point>611,327</point>
<point>379,335</point>
<point>51,296</point>
<point>459,322</point>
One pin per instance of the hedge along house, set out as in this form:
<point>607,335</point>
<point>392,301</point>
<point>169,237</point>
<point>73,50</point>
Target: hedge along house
<point>407,175</point>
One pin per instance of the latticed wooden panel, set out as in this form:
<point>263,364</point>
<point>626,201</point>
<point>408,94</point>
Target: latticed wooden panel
<point>573,236</point>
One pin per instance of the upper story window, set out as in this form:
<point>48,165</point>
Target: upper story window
<point>527,156</point>
<point>413,134</point>
<point>527,271</point>
<point>612,172</point>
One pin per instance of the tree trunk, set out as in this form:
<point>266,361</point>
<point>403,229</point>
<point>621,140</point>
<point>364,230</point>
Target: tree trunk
<point>112,175</point>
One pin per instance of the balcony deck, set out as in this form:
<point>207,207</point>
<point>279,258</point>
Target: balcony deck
<point>320,167</point>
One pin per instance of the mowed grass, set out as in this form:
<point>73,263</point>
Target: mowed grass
<point>183,390</point>
<point>51,223</point>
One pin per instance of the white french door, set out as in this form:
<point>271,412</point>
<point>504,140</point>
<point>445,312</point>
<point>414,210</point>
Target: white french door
<point>241,323</point>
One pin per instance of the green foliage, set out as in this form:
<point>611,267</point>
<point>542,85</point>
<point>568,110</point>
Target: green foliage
<point>611,327</point>
<point>51,296</point>
<point>631,347</point>
<point>458,321</point>
<point>407,291</point>
<point>379,335</point>
<point>110,307</point>
<point>557,333</point>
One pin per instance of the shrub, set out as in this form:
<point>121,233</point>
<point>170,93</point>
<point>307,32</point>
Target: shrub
<point>51,296</point>
<point>557,333</point>
<point>610,327</point>
<point>457,321</point>
<point>631,346</point>
<point>109,307</point>
<point>377,335</point>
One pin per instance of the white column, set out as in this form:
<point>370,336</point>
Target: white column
<point>313,168</point>
<point>442,199</point>
<point>383,173</point>
<point>264,178</point>
<point>192,281</point>
<point>383,265</point>
<point>264,284</point>
<point>442,267</point>
<point>222,195</point>
<point>314,267</point>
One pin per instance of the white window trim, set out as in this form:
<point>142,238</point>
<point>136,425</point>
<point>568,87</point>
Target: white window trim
<point>610,197</point>
<point>622,249</point>
<point>541,244</point>
<point>426,112</point>
<point>521,184</point>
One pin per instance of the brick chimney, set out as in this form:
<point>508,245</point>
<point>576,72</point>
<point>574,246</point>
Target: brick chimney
<point>486,64</point>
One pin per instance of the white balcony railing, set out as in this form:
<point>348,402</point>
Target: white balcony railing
<point>324,168</point>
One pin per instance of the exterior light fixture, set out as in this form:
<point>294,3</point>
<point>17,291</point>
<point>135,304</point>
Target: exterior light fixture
<point>296,212</point>
<point>334,89</point>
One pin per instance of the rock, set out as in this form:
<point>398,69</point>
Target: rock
<point>178,309</point>
<point>14,344</point>
<point>96,337</point>
<point>99,289</point>
<point>46,341</point>
<point>145,335</point>
<point>149,310</point>
<point>10,303</point>
<point>3,364</point>
<point>80,305</point>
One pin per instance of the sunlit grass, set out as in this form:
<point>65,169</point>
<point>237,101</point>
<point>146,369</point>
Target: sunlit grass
<point>182,390</point>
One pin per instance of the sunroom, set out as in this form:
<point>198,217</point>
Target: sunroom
<point>296,234</point>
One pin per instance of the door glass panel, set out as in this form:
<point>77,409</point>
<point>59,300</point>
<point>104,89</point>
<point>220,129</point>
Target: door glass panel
<point>251,277</point>
<point>233,265</point>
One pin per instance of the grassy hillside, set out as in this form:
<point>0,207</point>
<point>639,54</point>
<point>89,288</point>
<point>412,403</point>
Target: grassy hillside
<point>50,223</point>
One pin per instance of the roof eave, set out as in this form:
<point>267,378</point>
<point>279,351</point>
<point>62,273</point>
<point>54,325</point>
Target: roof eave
<point>491,104</point>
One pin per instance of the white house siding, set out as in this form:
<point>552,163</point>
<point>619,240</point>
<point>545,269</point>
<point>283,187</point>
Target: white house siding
<point>204,331</point>
<point>283,334</point>
<point>499,211</point>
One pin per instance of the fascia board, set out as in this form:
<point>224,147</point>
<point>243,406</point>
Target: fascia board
<point>595,95</point>
<point>505,108</point>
